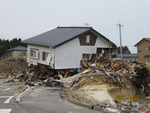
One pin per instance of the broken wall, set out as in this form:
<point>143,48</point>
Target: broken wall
<point>48,61</point>
<point>70,54</point>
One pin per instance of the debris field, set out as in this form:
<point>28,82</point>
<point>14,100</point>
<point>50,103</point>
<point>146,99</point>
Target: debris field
<point>108,85</point>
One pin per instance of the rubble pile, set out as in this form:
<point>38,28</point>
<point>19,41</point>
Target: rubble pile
<point>39,74</point>
<point>2,76</point>
<point>106,84</point>
<point>101,78</point>
<point>127,66</point>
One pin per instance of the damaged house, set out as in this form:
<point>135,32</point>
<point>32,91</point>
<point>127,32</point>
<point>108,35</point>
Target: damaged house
<point>65,47</point>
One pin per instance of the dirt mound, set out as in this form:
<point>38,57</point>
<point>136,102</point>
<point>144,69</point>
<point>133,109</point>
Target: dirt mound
<point>9,66</point>
<point>4,67</point>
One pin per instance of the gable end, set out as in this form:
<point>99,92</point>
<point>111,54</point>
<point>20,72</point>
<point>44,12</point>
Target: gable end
<point>92,31</point>
<point>92,39</point>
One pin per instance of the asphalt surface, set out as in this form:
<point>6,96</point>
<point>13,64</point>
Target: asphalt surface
<point>7,93</point>
<point>48,100</point>
<point>39,100</point>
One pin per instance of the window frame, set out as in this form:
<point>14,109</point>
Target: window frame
<point>88,38</point>
<point>44,55</point>
<point>83,56</point>
<point>148,48</point>
<point>139,51</point>
<point>34,53</point>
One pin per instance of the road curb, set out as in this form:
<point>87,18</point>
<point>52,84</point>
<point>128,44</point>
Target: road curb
<point>88,106</point>
<point>77,103</point>
<point>21,95</point>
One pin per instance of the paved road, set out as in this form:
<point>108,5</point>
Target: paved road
<point>7,93</point>
<point>40,100</point>
<point>47,100</point>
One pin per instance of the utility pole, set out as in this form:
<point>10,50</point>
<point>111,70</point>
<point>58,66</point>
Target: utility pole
<point>120,39</point>
<point>87,25</point>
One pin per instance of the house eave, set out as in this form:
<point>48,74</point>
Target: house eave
<point>55,46</point>
<point>140,42</point>
<point>42,45</point>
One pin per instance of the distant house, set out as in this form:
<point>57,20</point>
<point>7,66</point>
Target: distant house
<point>143,49</point>
<point>65,47</point>
<point>16,53</point>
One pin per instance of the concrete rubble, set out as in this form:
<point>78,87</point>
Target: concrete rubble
<point>107,85</point>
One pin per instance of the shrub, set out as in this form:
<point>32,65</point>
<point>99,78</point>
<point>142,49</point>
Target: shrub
<point>142,74</point>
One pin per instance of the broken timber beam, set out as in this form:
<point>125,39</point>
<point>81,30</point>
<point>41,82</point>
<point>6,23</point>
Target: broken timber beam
<point>72,78</point>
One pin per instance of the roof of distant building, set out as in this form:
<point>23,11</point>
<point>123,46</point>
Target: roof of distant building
<point>147,39</point>
<point>18,48</point>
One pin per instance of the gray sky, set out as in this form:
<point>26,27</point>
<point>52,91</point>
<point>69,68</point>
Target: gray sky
<point>26,18</point>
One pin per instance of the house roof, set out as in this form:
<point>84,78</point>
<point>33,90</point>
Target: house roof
<point>60,35</point>
<point>147,39</point>
<point>17,48</point>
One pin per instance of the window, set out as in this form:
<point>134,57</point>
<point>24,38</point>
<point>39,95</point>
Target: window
<point>93,58</point>
<point>139,51</point>
<point>44,56</point>
<point>25,53</point>
<point>88,39</point>
<point>86,56</point>
<point>99,50</point>
<point>34,53</point>
<point>148,48</point>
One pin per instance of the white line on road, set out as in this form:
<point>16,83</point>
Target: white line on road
<point>5,110</point>
<point>5,96</point>
<point>9,98</point>
<point>6,89</point>
<point>7,101</point>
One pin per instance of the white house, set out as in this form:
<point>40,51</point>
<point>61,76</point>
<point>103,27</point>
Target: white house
<point>65,47</point>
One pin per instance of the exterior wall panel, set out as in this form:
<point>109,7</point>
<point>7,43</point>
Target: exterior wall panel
<point>15,55</point>
<point>40,50</point>
<point>66,56</point>
<point>69,55</point>
<point>142,51</point>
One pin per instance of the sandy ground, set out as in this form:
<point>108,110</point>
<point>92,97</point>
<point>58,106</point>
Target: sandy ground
<point>99,93</point>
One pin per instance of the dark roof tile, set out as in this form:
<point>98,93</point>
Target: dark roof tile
<point>18,48</point>
<point>58,36</point>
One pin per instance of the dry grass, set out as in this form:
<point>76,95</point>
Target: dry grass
<point>9,66</point>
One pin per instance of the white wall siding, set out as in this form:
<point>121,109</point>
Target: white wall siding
<point>69,54</point>
<point>40,50</point>
<point>65,56</point>
<point>101,43</point>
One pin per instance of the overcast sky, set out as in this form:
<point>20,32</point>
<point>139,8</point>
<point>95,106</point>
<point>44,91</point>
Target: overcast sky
<point>26,18</point>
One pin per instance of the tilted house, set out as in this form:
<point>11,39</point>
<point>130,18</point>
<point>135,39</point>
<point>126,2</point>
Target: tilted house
<point>65,47</point>
<point>143,49</point>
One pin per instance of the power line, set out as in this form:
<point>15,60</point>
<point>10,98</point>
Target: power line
<point>120,39</point>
